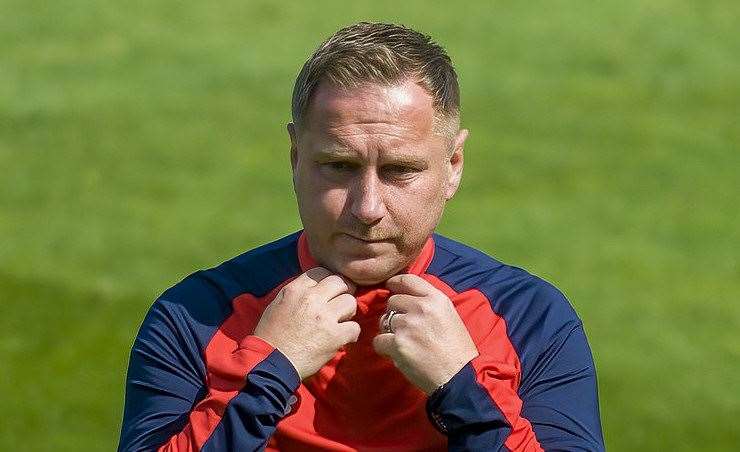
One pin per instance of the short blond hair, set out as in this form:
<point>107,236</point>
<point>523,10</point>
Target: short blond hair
<point>385,54</point>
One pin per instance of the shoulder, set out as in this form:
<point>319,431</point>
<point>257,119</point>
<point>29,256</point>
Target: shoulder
<point>202,301</point>
<point>534,310</point>
<point>463,268</point>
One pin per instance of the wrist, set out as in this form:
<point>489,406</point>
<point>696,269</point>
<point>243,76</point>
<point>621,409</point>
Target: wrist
<point>453,370</point>
<point>275,376</point>
<point>456,402</point>
<point>292,362</point>
<point>282,352</point>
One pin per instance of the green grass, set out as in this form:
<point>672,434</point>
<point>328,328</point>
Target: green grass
<point>140,141</point>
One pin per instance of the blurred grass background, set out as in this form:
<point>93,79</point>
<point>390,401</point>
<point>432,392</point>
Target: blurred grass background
<point>142,140</point>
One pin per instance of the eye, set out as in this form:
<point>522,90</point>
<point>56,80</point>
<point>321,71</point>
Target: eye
<point>399,171</point>
<point>337,166</point>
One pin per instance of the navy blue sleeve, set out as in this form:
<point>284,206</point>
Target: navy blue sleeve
<point>175,402</point>
<point>462,410</point>
<point>559,402</point>
<point>533,385</point>
<point>562,400</point>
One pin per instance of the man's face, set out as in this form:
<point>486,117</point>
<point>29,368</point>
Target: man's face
<point>371,177</point>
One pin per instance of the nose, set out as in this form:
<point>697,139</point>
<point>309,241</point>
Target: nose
<point>367,200</point>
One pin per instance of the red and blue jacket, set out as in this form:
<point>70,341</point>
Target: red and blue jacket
<point>198,380</point>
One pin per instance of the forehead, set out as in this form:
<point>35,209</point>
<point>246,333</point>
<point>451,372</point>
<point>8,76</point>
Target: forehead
<point>403,111</point>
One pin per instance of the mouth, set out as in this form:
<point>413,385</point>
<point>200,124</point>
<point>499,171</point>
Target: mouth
<point>366,239</point>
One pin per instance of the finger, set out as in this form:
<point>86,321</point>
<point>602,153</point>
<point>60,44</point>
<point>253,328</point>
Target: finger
<point>344,306</point>
<point>411,285</point>
<point>404,303</point>
<point>311,277</point>
<point>330,287</point>
<point>349,331</point>
<point>397,321</point>
<point>385,344</point>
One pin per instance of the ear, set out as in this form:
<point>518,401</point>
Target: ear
<point>293,145</point>
<point>455,163</point>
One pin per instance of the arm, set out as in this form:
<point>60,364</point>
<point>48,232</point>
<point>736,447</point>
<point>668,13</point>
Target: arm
<point>192,388</point>
<point>480,408</point>
<point>173,404</point>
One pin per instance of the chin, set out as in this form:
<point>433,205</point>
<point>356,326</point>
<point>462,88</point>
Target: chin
<point>368,272</point>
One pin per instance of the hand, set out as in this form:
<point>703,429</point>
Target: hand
<point>309,319</point>
<point>429,342</point>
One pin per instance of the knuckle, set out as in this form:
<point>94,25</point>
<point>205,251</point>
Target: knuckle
<point>308,297</point>
<point>414,324</point>
<point>334,279</point>
<point>349,333</point>
<point>338,282</point>
<point>291,291</point>
<point>411,278</point>
<point>402,322</point>
<point>440,298</point>
<point>347,303</point>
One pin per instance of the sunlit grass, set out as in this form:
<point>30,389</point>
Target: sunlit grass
<point>143,140</point>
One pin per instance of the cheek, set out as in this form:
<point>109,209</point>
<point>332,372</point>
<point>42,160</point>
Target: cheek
<point>418,209</point>
<point>323,204</point>
<point>332,201</point>
<point>316,199</point>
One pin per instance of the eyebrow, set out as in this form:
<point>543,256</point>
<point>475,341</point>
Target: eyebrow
<point>336,152</point>
<point>346,153</point>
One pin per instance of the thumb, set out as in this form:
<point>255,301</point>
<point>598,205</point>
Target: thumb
<point>385,344</point>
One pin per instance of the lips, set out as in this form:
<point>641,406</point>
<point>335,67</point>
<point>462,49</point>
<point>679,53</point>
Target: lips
<point>367,240</point>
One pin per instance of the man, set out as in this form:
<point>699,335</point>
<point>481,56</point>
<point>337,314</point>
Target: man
<point>365,331</point>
